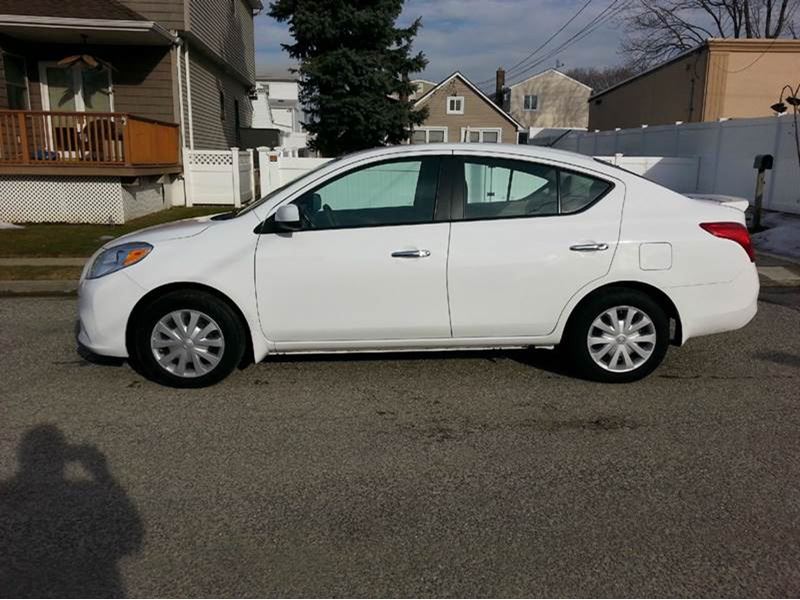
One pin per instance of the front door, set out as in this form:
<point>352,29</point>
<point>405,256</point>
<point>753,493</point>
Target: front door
<point>76,88</point>
<point>74,93</point>
<point>369,263</point>
<point>525,238</point>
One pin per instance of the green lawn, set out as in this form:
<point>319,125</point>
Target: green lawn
<point>56,239</point>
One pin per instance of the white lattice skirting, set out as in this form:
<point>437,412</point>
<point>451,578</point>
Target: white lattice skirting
<point>64,199</point>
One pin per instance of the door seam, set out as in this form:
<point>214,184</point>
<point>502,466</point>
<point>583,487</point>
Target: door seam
<point>447,276</point>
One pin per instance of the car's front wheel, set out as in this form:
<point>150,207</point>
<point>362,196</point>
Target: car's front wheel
<point>188,338</point>
<point>618,336</point>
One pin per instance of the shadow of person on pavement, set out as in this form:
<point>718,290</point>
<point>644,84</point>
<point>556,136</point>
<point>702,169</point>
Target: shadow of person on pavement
<point>62,535</point>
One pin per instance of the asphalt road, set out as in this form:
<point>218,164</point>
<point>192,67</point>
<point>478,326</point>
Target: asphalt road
<point>486,474</point>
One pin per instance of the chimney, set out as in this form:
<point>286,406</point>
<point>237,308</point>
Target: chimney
<point>404,95</point>
<point>499,86</point>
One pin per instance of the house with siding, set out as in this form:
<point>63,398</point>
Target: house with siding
<point>719,79</point>
<point>422,87</point>
<point>549,99</point>
<point>459,112</point>
<point>277,105</point>
<point>101,100</point>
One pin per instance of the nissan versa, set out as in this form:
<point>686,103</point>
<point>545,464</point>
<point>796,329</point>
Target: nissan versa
<point>428,247</point>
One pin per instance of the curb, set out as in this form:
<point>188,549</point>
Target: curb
<point>43,262</point>
<point>38,288</point>
<point>789,259</point>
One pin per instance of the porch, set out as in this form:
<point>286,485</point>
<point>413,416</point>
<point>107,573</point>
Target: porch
<point>87,143</point>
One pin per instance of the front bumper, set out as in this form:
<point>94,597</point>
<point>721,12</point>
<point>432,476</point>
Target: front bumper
<point>104,306</point>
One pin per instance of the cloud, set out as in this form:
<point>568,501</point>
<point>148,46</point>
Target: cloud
<point>269,36</point>
<point>477,36</point>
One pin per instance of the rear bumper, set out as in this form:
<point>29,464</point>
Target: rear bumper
<point>717,307</point>
<point>104,306</point>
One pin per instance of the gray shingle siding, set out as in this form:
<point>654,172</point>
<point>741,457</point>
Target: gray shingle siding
<point>221,45</point>
<point>142,81</point>
<point>168,13</point>
<point>226,27</point>
<point>211,131</point>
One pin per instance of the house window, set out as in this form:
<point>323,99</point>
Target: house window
<point>455,105</point>
<point>481,135</point>
<point>76,89</point>
<point>429,135</point>
<point>531,102</point>
<point>16,82</point>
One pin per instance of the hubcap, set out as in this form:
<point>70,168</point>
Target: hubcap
<point>187,343</point>
<point>621,339</point>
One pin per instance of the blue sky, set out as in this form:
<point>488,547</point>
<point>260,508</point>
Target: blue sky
<point>477,36</point>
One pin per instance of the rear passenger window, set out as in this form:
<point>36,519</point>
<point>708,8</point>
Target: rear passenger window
<point>579,191</point>
<point>500,188</point>
<point>504,188</point>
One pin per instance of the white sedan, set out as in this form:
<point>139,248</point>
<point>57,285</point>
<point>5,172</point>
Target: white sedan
<point>431,247</point>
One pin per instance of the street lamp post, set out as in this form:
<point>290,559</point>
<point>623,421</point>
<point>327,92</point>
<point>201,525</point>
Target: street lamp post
<point>793,99</point>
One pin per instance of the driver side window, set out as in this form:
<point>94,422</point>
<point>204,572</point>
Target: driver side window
<point>389,193</point>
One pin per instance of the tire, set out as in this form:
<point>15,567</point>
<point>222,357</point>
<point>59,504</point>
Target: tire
<point>649,321</point>
<point>197,361</point>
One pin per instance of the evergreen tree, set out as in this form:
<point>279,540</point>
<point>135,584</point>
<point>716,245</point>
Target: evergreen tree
<point>354,67</point>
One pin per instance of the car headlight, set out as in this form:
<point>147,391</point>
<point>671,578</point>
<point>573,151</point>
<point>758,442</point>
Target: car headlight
<point>118,257</point>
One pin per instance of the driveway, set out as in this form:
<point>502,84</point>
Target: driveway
<point>462,474</point>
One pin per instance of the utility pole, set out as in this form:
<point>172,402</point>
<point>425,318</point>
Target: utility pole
<point>762,162</point>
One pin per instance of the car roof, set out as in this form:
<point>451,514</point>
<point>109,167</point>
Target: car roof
<point>522,150</point>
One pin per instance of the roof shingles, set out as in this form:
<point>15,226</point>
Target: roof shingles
<point>71,9</point>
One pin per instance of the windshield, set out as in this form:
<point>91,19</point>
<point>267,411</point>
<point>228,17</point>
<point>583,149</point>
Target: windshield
<point>278,190</point>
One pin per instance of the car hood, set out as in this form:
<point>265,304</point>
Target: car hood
<point>168,231</point>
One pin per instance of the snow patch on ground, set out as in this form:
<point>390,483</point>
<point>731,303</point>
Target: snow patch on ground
<point>782,236</point>
<point>10,226</point>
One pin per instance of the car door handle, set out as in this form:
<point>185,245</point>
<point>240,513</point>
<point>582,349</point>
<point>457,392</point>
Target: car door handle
<point>588,247</point>
<point>411,254</point>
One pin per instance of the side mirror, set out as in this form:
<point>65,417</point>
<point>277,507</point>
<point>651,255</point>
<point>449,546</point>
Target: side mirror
<point>287,217</point>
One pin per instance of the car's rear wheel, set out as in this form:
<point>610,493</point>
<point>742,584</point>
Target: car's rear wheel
<point>188,338</point>
<point>618,336</point>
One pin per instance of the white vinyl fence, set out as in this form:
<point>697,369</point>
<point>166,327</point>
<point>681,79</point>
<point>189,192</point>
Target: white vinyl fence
<point>219,177</point>
<point>679,174</point>
<point>676,173</point>
<point>724,151</point>
<point>275,169</point>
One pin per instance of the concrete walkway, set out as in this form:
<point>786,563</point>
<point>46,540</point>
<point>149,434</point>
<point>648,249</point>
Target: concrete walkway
<point>777,271</point>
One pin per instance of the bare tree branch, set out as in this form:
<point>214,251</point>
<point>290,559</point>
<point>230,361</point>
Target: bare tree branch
<point>656,30</point>
<point>600,79</point>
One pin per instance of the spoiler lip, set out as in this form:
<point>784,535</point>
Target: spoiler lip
<point>736,202</point>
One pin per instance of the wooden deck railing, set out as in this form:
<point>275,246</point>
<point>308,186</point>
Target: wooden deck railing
<point>91,139</point>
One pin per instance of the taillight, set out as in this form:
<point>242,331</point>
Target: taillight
<point>736,232</point>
